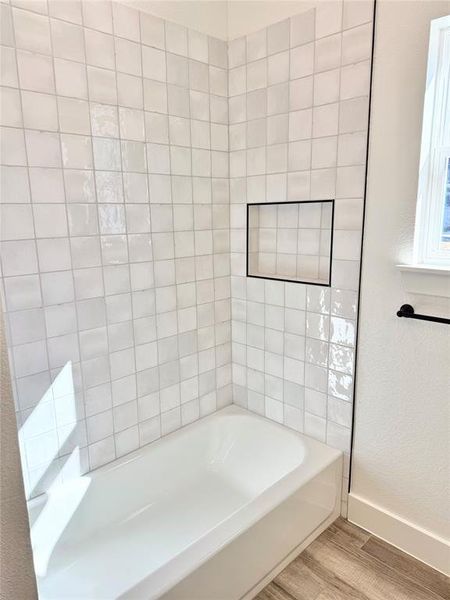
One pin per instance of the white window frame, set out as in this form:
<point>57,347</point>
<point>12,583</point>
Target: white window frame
<point>435,150</point>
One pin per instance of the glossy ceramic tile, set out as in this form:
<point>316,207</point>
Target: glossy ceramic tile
<point>92,194</point>
<point>299,134</point>
<point>124,138</point>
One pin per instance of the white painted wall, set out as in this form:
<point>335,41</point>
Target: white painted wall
<point>18,578</point>
<point>228,19</point>
<point>209,16</point>
<point>248,16</point>
<point>402,427</point>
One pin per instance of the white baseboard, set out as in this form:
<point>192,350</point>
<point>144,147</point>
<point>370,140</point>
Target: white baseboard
<point>416,541</point>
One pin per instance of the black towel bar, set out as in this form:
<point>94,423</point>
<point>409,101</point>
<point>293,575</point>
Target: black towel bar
<point>407,311</point>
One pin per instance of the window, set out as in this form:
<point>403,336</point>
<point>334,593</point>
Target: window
<point>445,238</point>
<point>432,235</point>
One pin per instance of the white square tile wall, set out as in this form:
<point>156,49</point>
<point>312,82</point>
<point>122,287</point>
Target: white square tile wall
<point>115,230</point>
<point>129,149</point>
<point>299,97</point>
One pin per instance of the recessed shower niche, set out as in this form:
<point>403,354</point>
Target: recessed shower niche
<point>291,241</point>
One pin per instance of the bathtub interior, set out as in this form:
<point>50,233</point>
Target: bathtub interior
<point>158,501</point>
<point>147,540</point>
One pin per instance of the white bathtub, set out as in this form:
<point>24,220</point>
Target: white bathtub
<point>212,511</point>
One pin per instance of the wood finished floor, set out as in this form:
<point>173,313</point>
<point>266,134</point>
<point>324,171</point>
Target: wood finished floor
<point>347,563</point>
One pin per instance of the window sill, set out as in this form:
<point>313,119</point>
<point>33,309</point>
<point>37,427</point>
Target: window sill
<point>426,279</point>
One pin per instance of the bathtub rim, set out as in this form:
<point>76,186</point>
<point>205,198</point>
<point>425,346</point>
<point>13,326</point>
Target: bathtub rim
<point>231,409</point>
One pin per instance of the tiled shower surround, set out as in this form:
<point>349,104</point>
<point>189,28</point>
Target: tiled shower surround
<point>298,119</point>
<point>115,230</point>
<point>130,147</point>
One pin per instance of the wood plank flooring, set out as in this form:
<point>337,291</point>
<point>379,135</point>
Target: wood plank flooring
<point>347,563</point>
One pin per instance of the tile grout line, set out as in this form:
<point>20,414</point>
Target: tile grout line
<point>99,235</point>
